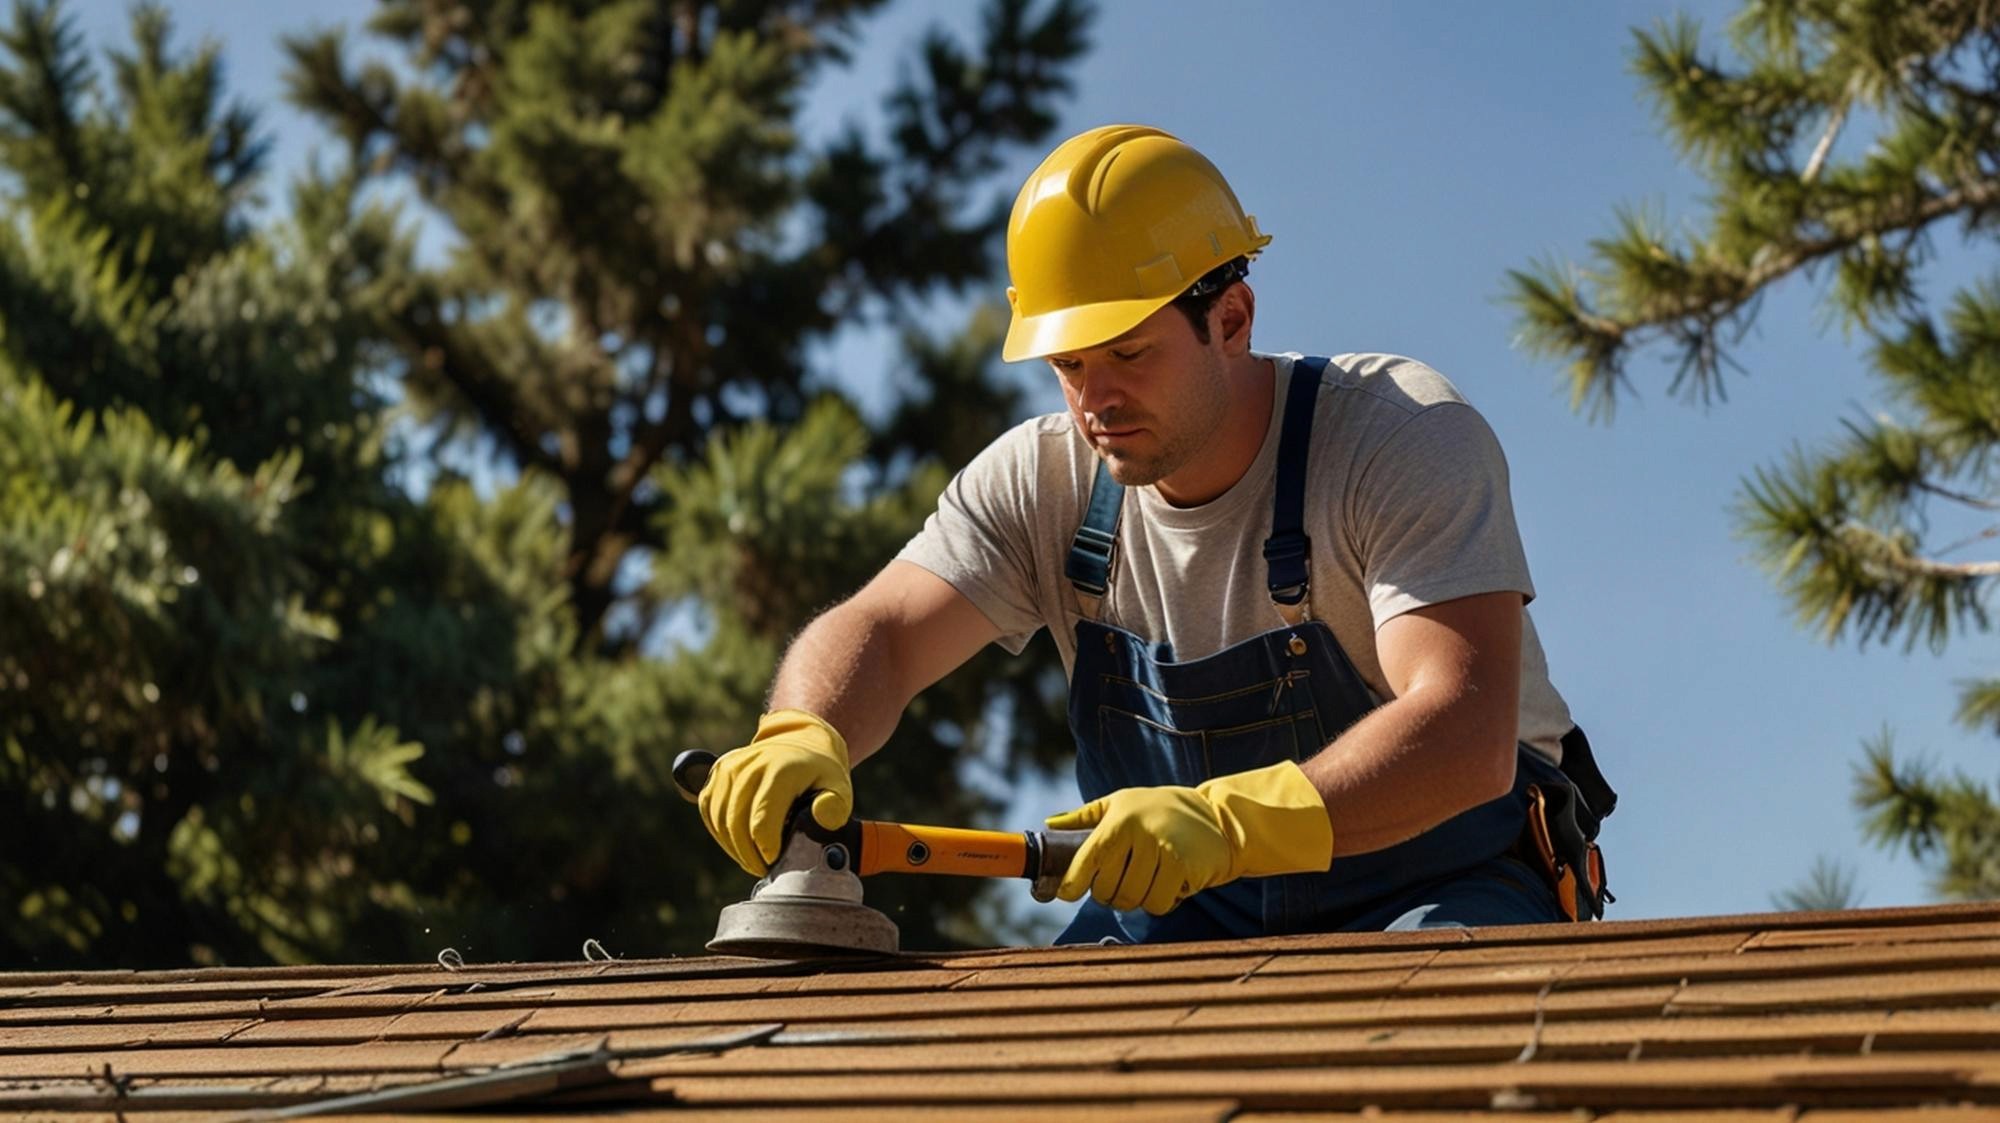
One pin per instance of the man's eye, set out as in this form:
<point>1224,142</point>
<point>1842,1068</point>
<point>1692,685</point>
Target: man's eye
<point>1128,356</point>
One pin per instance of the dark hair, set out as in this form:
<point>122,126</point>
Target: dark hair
<point>1202,295</point>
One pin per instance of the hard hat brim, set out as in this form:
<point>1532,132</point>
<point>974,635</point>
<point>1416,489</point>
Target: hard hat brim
<point>1073,329</point>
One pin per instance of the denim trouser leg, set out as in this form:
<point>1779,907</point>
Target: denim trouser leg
<point>1501,891</point>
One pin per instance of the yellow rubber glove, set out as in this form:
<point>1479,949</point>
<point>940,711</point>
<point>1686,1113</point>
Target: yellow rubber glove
<point>750,789</point>
<point>1152,848</point>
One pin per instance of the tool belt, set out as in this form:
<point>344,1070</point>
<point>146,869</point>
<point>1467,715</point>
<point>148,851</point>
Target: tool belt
<point>1560,836</point>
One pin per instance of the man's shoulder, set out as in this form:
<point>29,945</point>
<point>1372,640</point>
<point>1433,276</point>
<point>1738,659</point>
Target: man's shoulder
<point>1037,442</point>
<point>1031,465</point>
<point>1396,383</point>
<point>1050,428</point>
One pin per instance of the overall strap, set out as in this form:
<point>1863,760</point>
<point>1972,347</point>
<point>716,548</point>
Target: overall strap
<point>1288,552</point>
<point>1095,546</point>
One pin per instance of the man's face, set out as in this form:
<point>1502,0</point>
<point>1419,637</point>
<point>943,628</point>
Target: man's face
<point>1149,401</point>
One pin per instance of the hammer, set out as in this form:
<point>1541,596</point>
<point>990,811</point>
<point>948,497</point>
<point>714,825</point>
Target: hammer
<point>810,901</point>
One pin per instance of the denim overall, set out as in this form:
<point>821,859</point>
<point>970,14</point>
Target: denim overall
<point>1143,719</point>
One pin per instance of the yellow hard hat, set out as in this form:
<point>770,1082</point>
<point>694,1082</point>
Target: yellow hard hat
<point>1117,222</point>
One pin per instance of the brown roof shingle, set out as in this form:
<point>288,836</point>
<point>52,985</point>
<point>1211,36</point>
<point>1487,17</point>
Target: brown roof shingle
<point>1889,1014</point>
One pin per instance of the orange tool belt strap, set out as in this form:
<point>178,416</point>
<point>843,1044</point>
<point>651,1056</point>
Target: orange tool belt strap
<point>1554,843</point>
<point>1560,838</point>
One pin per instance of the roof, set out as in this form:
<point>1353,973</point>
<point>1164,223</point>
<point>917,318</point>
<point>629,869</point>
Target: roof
<point>1886,1014</point>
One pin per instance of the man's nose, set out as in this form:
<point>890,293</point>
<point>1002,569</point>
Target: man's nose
<point>1103,390</point>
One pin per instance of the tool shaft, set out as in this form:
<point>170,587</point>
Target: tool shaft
<point>1040,856</point>
<point>908,848</point>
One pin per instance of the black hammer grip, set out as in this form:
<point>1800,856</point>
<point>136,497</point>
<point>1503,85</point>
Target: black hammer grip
<point>691,772</point>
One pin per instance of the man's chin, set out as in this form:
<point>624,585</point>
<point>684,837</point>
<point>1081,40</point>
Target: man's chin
<point>1131,471</point>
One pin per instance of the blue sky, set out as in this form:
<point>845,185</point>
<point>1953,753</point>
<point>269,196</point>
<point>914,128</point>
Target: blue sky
<point>1404,156</point>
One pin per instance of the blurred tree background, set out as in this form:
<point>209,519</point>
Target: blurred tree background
<point>281,677</point>
<point>1838,143</point>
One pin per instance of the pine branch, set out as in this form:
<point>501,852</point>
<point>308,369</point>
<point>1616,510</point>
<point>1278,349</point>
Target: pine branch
<point>152,82</point>
<point>1979,705</point>
<point>1840,570</point>
<point>1957,496</point>
<point>439,350</point>
<point>1772,218</point>
<point>1952,821</point>
<point>950,127</point>
<point>1820,151</point>
<point>1902,801</point>
<point>386,128</point>
<point>1829,886</point>
<point>1890,553</point>
<point>1696,314</point>
<point>41,91</point>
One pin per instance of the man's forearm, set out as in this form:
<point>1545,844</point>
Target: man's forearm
<point>844,668</point>
<point>1410,765</point>
<point>862,661</point>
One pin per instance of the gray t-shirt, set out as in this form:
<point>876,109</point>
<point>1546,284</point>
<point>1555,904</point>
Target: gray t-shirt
<point>1406,504</point>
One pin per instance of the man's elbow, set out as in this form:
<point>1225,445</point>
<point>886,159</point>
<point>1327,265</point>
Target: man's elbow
<point>1500,774</point>
<point>1488,725</point>
<point>1499,749</point>
<point>1482,737</point>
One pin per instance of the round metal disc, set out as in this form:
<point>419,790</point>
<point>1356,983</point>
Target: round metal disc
<point>802,928</point>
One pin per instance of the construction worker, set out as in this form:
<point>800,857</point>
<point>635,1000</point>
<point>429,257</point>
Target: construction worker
<point>1289,592</point>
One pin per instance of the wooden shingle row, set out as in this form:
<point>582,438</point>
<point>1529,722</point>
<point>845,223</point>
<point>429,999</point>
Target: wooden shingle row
<point>1889,1014</point>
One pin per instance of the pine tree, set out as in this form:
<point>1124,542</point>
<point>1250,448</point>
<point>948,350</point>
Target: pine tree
<point>280,678</point>
<point>644,251</point>
<point>646,246</point>
<point>198,534</point>
<point>1856,532</point>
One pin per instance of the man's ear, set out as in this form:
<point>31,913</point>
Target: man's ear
<point>1235,310</point>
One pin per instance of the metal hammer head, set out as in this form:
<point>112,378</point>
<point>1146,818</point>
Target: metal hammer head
<point>809,905</point>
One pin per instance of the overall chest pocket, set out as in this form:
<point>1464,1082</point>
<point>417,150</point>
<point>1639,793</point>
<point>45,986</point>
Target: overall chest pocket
<point>1149,736</point>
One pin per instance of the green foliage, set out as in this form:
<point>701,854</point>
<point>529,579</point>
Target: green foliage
<point>1837,529</point>
<point>1849,531</point>
<point>263,699</point>
<point>646,248</point>
<point>1827,887</point>
<point>374,759</point>
<point>762,521</point>
<point>1951,823</point>
<point>1764,132</point>
<point>645,251</point>
<point>187,458</point>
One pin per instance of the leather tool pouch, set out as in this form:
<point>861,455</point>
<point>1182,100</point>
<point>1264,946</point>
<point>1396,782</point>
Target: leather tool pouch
<point>1563,821</point>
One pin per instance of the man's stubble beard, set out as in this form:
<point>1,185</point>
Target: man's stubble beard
<point>1144,471</point>
<point>1179,448</point>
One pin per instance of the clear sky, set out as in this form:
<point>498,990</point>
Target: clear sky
<point>1404,156</point>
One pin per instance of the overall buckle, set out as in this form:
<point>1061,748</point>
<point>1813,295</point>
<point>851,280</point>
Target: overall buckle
<point>1285,556</point>
<point>1089,564</point>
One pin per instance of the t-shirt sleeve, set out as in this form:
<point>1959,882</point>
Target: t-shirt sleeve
<point>1432,517</point>
<point>979,539</point>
